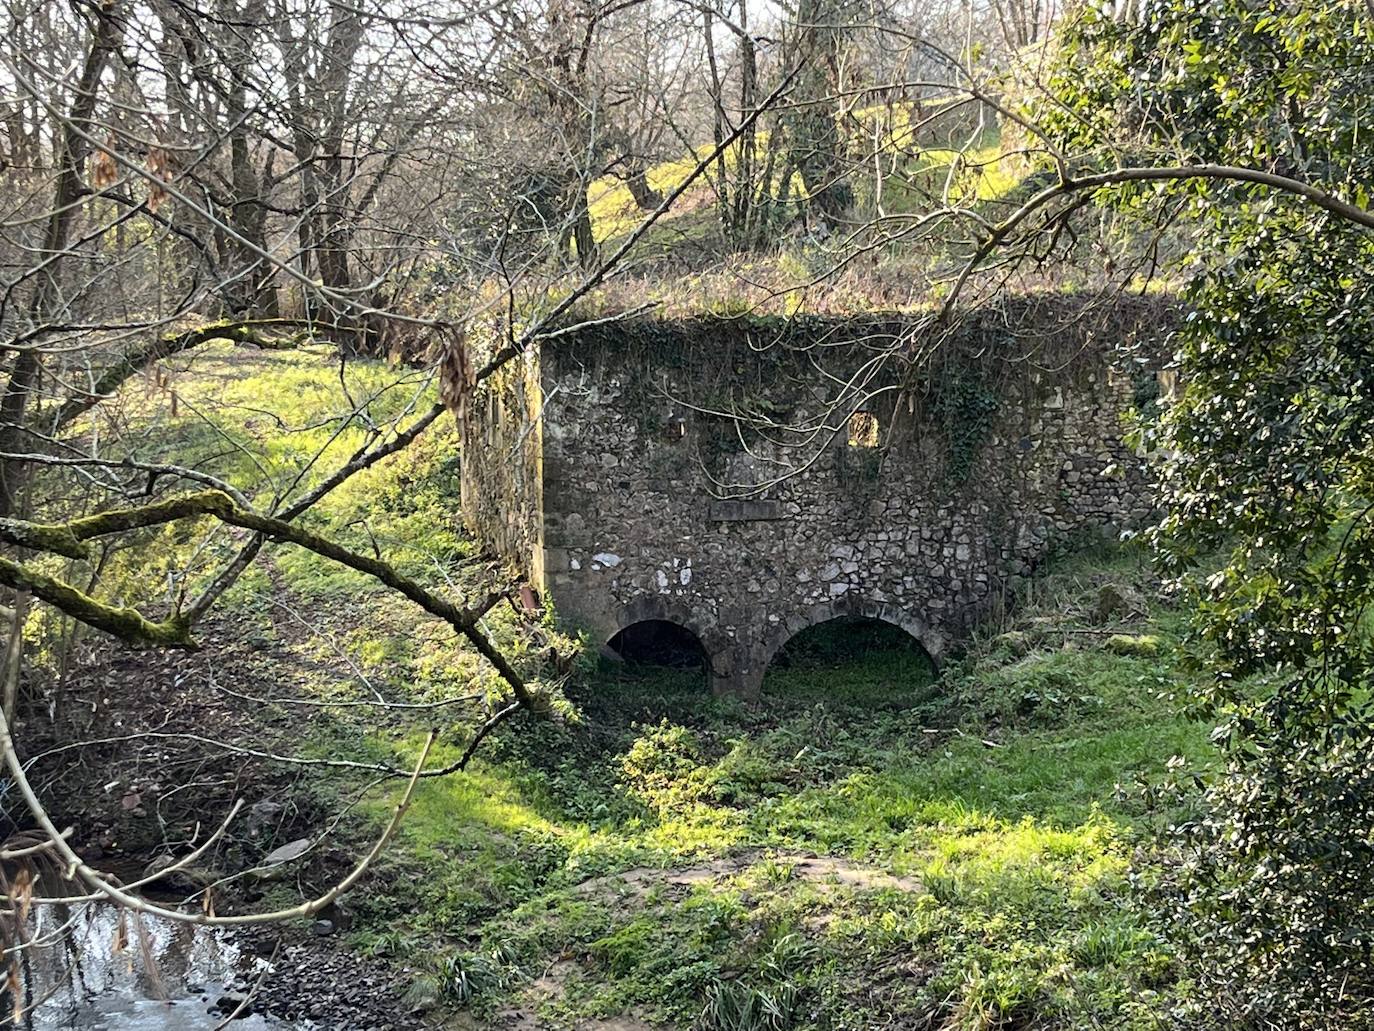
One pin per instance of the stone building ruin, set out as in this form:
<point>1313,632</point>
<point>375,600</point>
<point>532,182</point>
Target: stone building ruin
<point>728,476</point>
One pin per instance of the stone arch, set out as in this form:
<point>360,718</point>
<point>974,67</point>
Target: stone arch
<point>846,605</point>
<point>654,608</point>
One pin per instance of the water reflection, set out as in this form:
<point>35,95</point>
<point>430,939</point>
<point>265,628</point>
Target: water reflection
<point>104,969</point>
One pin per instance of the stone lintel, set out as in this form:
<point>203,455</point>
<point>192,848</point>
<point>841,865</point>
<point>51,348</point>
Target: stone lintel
<point>743,511</point>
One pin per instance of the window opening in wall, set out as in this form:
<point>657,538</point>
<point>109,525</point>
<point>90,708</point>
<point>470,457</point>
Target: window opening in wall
<point>863,430</point>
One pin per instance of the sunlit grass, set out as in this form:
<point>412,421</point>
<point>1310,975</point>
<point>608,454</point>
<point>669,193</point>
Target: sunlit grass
<point>975,170</point>
<point>273,424</point>
<point>1008,818</point>
<point>613,209</point>
<point>993,789</point>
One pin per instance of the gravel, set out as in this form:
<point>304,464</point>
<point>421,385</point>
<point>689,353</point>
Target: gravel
<point>316,982</point>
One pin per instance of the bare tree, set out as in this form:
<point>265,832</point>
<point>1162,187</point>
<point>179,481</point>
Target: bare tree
<point>388,177</point>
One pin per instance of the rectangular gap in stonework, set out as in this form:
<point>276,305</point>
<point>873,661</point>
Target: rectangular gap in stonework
<point>863,430</point>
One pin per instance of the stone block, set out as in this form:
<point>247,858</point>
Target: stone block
<point>743,510</point>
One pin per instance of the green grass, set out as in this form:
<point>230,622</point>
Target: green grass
<point>612,207</point>
<point>980,175</point>
<point>298,626</point>
<point>995,789</point>
<point>649,842</point>
<point>273,424</point>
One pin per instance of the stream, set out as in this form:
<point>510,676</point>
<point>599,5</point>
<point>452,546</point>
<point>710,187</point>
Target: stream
<point>105,974</point>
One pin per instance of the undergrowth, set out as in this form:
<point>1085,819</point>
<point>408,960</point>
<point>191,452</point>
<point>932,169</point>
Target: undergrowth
<point>651,850</point>
<point>647,852</point>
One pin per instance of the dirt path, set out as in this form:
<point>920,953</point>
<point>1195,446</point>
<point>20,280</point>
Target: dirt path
<point>825,871</point>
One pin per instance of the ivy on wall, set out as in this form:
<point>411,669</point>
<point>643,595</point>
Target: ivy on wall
<point>965,405</point>
<point>747,373</point>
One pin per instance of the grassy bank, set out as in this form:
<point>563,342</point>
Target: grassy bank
<point>658,854</point>
<point>865,847</point>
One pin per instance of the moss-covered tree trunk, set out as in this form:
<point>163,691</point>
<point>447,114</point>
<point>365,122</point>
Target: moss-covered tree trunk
<point>812,129</point>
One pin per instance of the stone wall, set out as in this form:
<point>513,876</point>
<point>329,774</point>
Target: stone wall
<point>502,483</point>
<point>950,122</point>
<point>994,446</point>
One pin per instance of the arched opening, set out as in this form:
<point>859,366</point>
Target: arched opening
<point>852,658</point>
<point>658,644</point>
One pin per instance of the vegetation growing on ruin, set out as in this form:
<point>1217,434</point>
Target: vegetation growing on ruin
<point>747,377</point>
<point>257,256</point>
<point>655,851</point>
<point>657,855</point>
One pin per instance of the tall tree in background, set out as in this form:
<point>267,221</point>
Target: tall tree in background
<point>1022,22</point>
<point>812,127</point>
<point>46,309</point>
<point>743,187</point>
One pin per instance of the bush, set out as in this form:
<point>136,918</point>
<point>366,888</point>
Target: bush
<point>1270,899</point>
<point>1140,646</point>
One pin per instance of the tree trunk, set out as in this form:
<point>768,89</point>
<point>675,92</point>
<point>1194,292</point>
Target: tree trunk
<point>645,196</point>
<point>583,238</point>
<point>813,135</point>
<point>47,299</point>
<point>250,291</point>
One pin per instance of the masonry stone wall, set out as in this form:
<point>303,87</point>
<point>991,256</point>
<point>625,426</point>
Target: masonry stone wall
<point>502,462</point>
<point>949,122</point>
<point>994,446</point>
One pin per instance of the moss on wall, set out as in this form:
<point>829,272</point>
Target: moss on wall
<point>748,372</point>
<point>997,435</point>
<point>502,464</point>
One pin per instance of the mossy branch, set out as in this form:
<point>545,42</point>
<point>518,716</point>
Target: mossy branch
<point>363,459</point>
<point>134,628</point>
<point>50,537</point>
<point>125,623</point>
